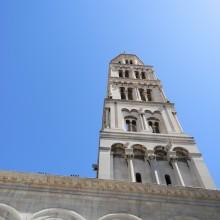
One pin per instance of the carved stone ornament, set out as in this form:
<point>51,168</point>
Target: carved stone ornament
<point>40,182</point>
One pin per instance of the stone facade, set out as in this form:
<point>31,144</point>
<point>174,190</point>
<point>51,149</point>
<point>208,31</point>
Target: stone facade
<point>43,197</point>
<point>141,136</point>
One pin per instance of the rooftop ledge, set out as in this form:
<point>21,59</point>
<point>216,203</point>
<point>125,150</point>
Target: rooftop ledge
<point>42,182</point>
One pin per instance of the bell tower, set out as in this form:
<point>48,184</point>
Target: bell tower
<point>141,139</point>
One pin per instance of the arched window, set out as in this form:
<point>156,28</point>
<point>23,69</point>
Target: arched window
<point>143,75</point>
<point>138,178</point>
<point>119,163</point>
<point>141,91</point>
<point>120,74</point>
<point>160,152</point>
<point>130,94</point>
<point>149,94</point>
<point>168,180</point>
<point>131,124</point>
<point>137,74</point>
<point>122,93</point>
<point>131,62</point>
<point>181,153</point>
<point>154,125</point>
<point>126,74</point>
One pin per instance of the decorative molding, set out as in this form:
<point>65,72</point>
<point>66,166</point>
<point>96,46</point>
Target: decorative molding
<point>29,181</point>
<point>150,137</point>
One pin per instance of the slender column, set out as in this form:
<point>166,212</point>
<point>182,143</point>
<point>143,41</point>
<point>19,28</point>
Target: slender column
<point>141,121</point>
<point>116,115</point>
<point>145,95</point>
<point>129,157</point>
<point>153,163</point>
<point>132,170</point>
<point>144,124</point>
<point>126,93</point>
<point>176,167</point>
<point>130,167</point>
<point>138,95</point>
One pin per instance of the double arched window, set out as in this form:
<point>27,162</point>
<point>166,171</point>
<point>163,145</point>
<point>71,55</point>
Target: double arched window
<point>131,124</point>
<point>154,125</point>
<point>124,74</point>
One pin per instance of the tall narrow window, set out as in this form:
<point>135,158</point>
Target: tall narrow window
<point>143,75</point>
<point>156,127</point>
<point>120,73</point>
<point>141,91</point>
<point>149,94</point>
<point>133,125</point>
<point>126,61</point>
<point>168,180</point>
<point>131,62</point>
<point>130,94</point>
<point>126,74</point>
<point>122,93</point>
<point>128,125</point>
<point>138,178</point>
<point>137,75</point>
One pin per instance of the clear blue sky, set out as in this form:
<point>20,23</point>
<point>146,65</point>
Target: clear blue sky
<point>54,59</point>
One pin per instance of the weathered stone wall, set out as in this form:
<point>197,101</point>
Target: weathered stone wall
<point>43,197</point>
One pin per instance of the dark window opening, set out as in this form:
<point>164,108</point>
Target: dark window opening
<point>127,122</point>
<point>141,91</point>
<point>126,61</point>
<point>130,94</point>
<point>138,178</point>
<point>122,92</point>
<point>168,180</point>
<point>149,94</point>
<point>131,62</point>
<point>126,74</point>
<point>120,73</point>
<point>154,126</point>
<point>143,75</point>
<point>137,75</point>
<point>133,125</point>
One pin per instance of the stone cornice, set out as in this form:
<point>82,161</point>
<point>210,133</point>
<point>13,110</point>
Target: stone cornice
<point>155,138</point>
<point>25,181</point>
<point>135,82</point>
<point>141,103</point>
<point>130,66</point>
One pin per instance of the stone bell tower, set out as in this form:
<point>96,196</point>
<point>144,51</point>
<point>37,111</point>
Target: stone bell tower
<point>141,139</point>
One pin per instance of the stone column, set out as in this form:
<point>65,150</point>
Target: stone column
<point>129,157</point>
<point>177,171</point>
<point>141,121</point>
<point>146,123</point>
<point>153,163</point>
<point>138,95</point>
